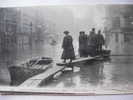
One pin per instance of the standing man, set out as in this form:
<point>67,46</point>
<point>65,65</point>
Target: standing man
<point>67,45</point>
<point>100,41</point>
<point>92,42</point>
<point>83,44</point>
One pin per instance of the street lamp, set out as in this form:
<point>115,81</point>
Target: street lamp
<point>31,39</point>
<point>39,27</point>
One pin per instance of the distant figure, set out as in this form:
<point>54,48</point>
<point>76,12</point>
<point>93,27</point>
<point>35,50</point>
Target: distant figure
<point>67,45</point>
<point>83,44</point>
<point>92,37</point>
<point>100,41</point>
<point>92,42</point>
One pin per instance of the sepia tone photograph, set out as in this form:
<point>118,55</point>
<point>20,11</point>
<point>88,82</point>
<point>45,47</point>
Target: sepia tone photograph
<point>67,49</point>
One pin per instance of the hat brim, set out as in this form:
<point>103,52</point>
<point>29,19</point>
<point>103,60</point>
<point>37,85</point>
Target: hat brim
<point>66,32</point>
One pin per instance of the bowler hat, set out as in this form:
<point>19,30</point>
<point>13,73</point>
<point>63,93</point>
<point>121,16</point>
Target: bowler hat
<point>66,32</point>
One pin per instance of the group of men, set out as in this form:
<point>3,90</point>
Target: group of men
<point>88,44</point>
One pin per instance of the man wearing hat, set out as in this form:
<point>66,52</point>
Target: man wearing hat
<point>92,42</point>
<point>67,45</point>
<point>83,44</point>
<point>100,41</point>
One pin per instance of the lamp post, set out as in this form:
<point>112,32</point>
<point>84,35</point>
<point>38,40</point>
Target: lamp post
<point>31,39</point>
<point>39,32</point>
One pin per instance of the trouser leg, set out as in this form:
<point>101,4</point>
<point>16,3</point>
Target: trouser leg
<point>81,53</point>
<point>100,48</point>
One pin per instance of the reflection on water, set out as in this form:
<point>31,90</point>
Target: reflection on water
<point>121,70</point>
<point>91,74</point>
<point>81,76</point>
<point>116,72</point>
<point>109,74</point>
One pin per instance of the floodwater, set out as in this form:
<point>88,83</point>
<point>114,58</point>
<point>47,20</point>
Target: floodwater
<point>115,72</point>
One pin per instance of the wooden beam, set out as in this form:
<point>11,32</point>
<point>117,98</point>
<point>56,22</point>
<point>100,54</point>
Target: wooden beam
<point>77,60</point>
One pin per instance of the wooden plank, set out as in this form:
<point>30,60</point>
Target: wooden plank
<point>78,60</point>
<point>36,80</point>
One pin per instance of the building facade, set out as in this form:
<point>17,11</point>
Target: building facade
<point>119,28</point>
<point>8,28</point>
<point>19,33</point>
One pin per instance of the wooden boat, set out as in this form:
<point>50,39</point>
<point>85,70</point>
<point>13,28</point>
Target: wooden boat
<point>105,53</point>
<point>20,73</point>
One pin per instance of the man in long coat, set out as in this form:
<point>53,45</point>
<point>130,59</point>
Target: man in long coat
<point>83,44</point>
<point>92,43</point>
<point>100,41</point>
<point>67,45</point>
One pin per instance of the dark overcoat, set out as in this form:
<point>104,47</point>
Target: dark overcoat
<point>83,42</point>
<point>92,44</point>
<point>83,45</point>
<point>68,50</point>
<point>92,39</point>
<point>100,39</point>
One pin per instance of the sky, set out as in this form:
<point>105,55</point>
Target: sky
<point>89,16</point>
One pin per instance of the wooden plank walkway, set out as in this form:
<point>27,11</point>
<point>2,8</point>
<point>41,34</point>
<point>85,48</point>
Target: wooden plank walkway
<point>36,80</point>
<point>78,60</point>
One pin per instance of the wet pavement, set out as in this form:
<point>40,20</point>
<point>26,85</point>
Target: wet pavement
<point>110,74</point>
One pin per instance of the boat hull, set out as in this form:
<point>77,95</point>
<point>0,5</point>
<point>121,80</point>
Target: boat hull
<point>20,74</point>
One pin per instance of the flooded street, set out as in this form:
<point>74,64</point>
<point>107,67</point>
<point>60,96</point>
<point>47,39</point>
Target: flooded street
<point>115,73</point>
<point>31,46</point>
